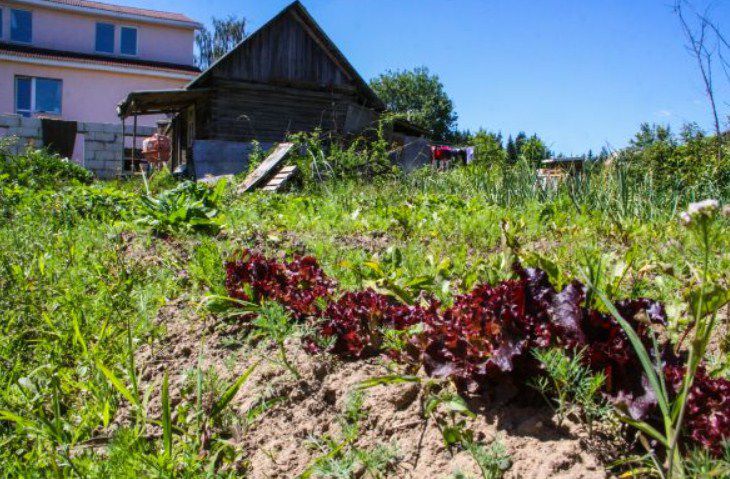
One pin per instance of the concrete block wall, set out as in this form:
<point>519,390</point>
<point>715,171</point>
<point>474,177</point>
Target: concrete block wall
<point>102,142</point>
<point>27,132</point>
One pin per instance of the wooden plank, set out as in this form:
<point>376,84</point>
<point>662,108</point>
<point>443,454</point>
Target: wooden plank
<point>268,166</point>
<point>281,179</point>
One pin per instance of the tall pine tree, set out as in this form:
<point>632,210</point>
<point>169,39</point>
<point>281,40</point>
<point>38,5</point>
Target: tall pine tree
<point>511,150</point>
<point>520,140</point>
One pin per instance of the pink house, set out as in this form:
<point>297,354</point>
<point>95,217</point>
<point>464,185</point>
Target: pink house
<point>77,59</point>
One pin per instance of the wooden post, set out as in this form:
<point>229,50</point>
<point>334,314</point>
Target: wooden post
<point>134,141</point>
<point>121,171</point>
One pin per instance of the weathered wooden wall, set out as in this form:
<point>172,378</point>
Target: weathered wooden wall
<point>285,78</point>
<point>283,52</point>
<point>243,111</point>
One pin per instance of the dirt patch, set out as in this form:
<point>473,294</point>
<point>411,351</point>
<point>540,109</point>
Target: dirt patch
<point>280,443</point>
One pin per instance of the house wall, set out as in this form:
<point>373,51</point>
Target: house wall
<point>87,95</point>
<point>61,30</point>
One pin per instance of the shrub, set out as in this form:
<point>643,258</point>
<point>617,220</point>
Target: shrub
<point>326,157</point>
<point>95,201</point>
<point>39,169</point>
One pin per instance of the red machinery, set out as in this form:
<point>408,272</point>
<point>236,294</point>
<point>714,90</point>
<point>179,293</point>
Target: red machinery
<point>156,149</point>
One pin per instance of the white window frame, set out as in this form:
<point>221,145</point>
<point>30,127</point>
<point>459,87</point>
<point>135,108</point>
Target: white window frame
<point>114,38</point>
<point>136,43</point>
<point>10,25</point>
<point>33,110</point>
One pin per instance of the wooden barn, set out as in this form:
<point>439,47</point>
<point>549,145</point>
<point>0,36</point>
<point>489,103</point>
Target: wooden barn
<point>286,77</point>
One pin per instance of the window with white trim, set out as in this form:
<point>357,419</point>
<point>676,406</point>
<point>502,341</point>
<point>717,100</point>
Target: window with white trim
<point>37,95</point>
<point>128,41</point>
<point>21,25</point>
<point>104,37</point>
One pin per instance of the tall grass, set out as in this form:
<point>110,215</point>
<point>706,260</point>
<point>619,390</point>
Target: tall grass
<point>612,189</point>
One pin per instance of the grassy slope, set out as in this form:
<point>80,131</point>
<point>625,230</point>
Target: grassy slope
<point>70,289</point>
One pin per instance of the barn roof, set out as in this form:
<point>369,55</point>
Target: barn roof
<point>297,10</point>
<point>158,101</point>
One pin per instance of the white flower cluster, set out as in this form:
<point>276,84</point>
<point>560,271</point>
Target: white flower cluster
<point>702,209</point>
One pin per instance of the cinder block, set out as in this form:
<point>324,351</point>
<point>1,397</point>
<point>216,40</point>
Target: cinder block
<point>109,156</point>
<point>113,165</point>
<point>30,122</point>
<point>27,132</point>
<point>9,121</point>
<point>102,136</point>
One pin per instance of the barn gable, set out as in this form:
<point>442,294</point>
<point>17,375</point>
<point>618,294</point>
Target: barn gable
<point>291,50</point>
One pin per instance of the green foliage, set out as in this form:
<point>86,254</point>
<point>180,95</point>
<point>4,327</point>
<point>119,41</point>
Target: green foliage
<point>570,388</point>
<point>161,180</point>
<point>493,460</point>
<point>38,169</point>
<point>256,157</point>
<point>227,33</point>
<point>188,207</point>
<point>325,158</point>
<point>689,161</point>
<point>274,323</point>
<point>420,97</point>
<point>704,222</point>
<point>81,285</point>
<point>205,268</point>
<point>450,412</point>
<point>488,148</point>
<point>700,464</point>
<point>98,202</point>
<point>387,274</point>
<point>533,150</point>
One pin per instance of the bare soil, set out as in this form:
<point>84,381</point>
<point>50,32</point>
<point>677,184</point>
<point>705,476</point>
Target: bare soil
<point>278,444</point>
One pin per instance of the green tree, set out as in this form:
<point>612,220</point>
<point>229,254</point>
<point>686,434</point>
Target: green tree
<point>488,147</point>
<point>511,151</point>
<point>420,97</point>
<point>520,140</point>
<point>649,135</point>
<point>211,45</point>
<point>533,150</point>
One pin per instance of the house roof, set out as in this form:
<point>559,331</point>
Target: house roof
<point>301,14</point>
<point>28,51</point>
<point>116,10</point>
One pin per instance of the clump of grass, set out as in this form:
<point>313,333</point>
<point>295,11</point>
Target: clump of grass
<point>274,323</point>
<point>570,387</point>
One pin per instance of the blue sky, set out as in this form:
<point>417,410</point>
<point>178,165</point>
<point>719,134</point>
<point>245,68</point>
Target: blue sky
<point>581,74</point>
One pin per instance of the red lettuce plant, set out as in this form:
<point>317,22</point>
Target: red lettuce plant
<point>483,334</point>
<point>356,322</point>
<point>487,334</point>
<point>707,420</point>
<point>606,346</point>
<point>299,285</point>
